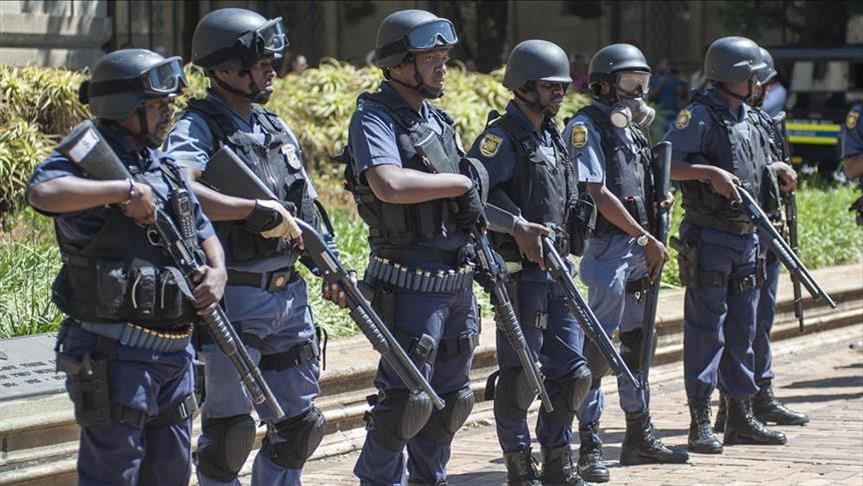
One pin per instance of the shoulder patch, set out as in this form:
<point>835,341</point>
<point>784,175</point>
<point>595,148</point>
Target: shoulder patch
<point>851,120</point>
<point>490,145</point>
<point>683,119</point>
<point>579,135</point>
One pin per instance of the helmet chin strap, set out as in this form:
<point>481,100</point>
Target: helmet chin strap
<point>425,90</point>
<point>255,94</point>
<point>546,110</point>
<point>143,136</point>
<point>744,98</point>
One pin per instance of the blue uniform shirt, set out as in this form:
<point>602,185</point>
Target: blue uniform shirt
<point>500,156</point>
<point>373,141</point>
<point>585,145</point>
<point>694,129</point>
<point>79,227</point>
<point>191,143</point>
<point>852,132</point>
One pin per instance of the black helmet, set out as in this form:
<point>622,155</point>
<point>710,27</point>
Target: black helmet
<point>613,59</point>
<point>534,60</point>
<point>768,72</point>
<point>123,80</point>
<point>732,60</point>
<point>235,37</point>
<point>411,31</point>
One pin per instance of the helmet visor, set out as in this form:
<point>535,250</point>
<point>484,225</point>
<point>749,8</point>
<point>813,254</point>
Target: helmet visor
<point>630,82</point>
<point>165,78</point>
<point>271,37</point>
<point>438,33</point>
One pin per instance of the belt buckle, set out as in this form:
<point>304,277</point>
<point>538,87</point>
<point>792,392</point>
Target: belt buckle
<point>278,280</point>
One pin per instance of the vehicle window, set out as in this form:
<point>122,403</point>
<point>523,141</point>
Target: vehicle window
<point>820,76</point>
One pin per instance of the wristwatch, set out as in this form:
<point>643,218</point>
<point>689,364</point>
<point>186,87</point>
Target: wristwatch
<point>642,240</point>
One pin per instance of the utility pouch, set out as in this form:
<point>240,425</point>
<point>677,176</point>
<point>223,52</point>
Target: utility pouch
<point>87,384</point>
<point>687,261</point>
<point>582,223</point>
<point>112,280</point>
<point>142,293</point>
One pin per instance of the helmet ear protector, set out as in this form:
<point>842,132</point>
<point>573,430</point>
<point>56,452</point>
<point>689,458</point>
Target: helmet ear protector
<point>163,79</point>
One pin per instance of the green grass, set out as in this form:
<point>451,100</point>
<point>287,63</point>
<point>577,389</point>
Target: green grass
<point>29,259</point>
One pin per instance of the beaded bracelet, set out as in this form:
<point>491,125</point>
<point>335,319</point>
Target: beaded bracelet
<point>132,192</point>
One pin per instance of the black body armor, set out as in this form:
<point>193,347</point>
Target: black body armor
<point>627,172</point>
<point>740,156</point>
<point>403,225</point>
<point>119,276</point>
<point>278,164</point>
<point>545,190</point>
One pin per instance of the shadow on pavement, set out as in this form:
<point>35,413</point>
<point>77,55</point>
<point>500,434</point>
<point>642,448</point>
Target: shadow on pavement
<point>839,381</point>
<point>821,398</point>
<point>479,477</point>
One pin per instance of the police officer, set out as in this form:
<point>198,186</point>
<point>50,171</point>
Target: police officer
<point>402,155</point>
<point>852,153</point>
<point>265,299</point>
<point>716,147</point>
<point>622,257</point>
<point>765,406</point>
<point>125,342</point>
<point>528,165</point>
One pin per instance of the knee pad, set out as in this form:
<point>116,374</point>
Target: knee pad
<point>300,436</point>
<point>631,349</point>
<point>512,394</point>
<point>399,416</point>
<point>599,366</point>
<point>572,390</point>
<point>443,424</point>
<point>232,440</point>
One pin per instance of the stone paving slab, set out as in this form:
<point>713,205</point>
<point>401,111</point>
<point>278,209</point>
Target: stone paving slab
<point>826,382</point>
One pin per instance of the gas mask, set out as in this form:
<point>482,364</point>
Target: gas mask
<point>632,110</point>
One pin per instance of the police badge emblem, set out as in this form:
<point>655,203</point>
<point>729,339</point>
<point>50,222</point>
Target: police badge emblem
<point>579,135</point>
<point>291,153</point>
<point>490,145</point>
<point>683,119</point>
<point>851,121</point>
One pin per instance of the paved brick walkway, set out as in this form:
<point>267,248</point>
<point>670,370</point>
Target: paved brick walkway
<point>826,382</point>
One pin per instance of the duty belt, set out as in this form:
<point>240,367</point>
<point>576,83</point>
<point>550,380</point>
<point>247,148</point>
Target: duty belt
<point>714,222</point>
<point>135,336</point>
<point>272,281</point>
<point>381,270</point>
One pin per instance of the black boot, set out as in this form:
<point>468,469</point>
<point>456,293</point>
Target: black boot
<point>590,465</point>
<point>641,446</point>
<point>557,468</point>
<point>721,415</point>
<point>701,437</point>
<point>521,469</point>
<point>767,408</point>
<point>743,428</point>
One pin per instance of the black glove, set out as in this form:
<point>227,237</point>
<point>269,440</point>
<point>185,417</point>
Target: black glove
<point>470,210</point>
<point>262,218</point>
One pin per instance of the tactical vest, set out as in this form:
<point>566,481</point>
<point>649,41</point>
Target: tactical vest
<point>119,276</point>
<point>729,151</point>
<point>770,195</point>
<point>402,225</point>
<point>278,164</point>
<point>544,190</point>
<point>627,174</point>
